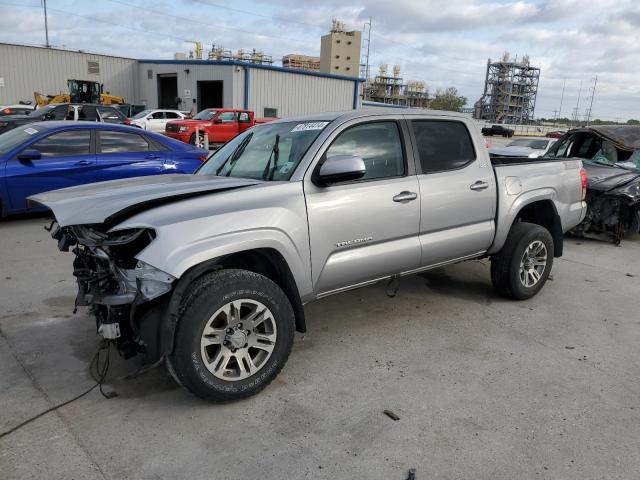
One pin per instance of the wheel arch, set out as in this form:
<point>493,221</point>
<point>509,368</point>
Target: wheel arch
<point>543,212</point>
<point>264,261</point>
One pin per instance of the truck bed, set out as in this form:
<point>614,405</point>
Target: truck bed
<point>506,160</point>
<point>520,179</point>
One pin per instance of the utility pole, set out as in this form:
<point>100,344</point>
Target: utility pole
<point>364,67</point>
<point>564,83</point>
<point>575,110</point>
<point>46,25</point>
<point>593,94</point>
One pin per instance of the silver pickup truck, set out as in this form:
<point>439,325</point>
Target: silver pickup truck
<point>211,271</point>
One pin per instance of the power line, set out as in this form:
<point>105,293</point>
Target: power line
<point>208,24</point>
<point>255,14</point>
<point>93,19</point>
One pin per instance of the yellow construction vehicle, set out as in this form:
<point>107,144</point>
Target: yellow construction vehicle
<point>80,91</point>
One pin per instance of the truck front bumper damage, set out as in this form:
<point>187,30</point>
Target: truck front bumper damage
<point>115,286</point>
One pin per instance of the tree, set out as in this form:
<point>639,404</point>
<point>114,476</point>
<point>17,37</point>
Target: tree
<point>633,122</point>
<point>448,100</point>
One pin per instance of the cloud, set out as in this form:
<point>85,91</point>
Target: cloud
<point>442,43</point>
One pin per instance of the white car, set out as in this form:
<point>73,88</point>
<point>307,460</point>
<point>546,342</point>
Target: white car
<point>155,120</point>
<point>524,147</point>
<point>17,109</point>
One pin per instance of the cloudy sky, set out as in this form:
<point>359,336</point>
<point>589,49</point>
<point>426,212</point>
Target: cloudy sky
<point>445,43</point>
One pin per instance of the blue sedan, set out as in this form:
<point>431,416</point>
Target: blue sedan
<point>49,155</point>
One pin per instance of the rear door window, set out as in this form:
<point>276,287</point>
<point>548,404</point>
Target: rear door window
<point>122,142</point>
<point>64,144</point>
<point>442,145</point>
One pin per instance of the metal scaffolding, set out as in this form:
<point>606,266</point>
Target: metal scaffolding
<point>510,91</point>
<point>391,89</point>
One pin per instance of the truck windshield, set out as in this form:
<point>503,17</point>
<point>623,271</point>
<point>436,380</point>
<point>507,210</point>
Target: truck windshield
<point>205,115</point>
<point>267,152</point>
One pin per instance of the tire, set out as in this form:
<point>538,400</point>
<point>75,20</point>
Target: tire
<point>215,366</point>
<point>512,278</point>
<point>192,140</point>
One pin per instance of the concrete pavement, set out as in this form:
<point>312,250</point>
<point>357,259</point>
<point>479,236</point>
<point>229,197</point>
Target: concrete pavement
<point>485,388</point>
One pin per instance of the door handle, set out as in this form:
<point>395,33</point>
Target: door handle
<point>404,197</point>
<point>479,185</point>
<point>83,162</point>
<point>153,156</point>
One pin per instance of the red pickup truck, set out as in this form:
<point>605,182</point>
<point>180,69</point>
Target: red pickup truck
<point>221,125</point>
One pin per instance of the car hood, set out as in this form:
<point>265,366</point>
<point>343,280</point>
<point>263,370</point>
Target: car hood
<point>514,151</point>
<point>189,122</point>
<point>113,201</point>
<point>604,179</point>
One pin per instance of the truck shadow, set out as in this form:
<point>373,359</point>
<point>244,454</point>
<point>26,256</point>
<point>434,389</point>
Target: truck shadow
<point>469,282</point>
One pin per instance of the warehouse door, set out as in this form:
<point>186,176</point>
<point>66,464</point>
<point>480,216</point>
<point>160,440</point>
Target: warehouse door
<point>167,90</point>
<point>209,94</point>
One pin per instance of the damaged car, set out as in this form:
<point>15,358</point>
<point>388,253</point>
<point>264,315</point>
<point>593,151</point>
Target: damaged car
<point>611,157</point>
<point>209,272</point>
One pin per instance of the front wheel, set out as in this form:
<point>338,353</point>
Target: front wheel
<point>521,268</point>
<point>234,334</point>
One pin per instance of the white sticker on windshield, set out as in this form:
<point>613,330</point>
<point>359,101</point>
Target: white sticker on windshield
<point>303,127</point>
<point>286,167</point>
<point>30,131</point>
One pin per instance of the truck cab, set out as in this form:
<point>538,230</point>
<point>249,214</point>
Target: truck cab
<point>220,125</point>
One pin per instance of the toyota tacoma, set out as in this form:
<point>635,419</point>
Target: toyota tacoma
<point>210,272</point>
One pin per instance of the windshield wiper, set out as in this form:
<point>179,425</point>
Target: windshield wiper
<point>235,155</point>
<point>275,153</point>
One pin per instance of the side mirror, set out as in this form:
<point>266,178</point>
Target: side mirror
<point>49,116</point>
<point>340,168</point>
<point>217,120</point>
<point>29,154</point>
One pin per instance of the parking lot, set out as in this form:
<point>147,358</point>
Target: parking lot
<point>484,387</point>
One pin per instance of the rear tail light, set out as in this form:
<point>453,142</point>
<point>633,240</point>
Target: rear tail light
<point>202,158</point>
<point>127,121</point>
<point>583,181</point>
<point>487,143</point>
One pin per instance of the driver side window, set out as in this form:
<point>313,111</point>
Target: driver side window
<point>227,117</point>
<point>377,143</point>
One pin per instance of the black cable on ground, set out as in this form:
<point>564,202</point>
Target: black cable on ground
<point>98,375</point>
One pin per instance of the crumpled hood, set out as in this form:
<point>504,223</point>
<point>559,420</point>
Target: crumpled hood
<point>603,178</point>
<point>104,201</point>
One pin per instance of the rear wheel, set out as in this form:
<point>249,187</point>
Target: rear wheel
<point>234,334</point>
<point>521,268</point>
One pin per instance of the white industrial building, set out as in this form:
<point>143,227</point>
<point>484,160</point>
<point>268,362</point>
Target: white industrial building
<point>265,89</point>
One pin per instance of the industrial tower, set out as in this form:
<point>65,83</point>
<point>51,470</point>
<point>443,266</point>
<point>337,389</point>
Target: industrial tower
<point>510,90</point>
